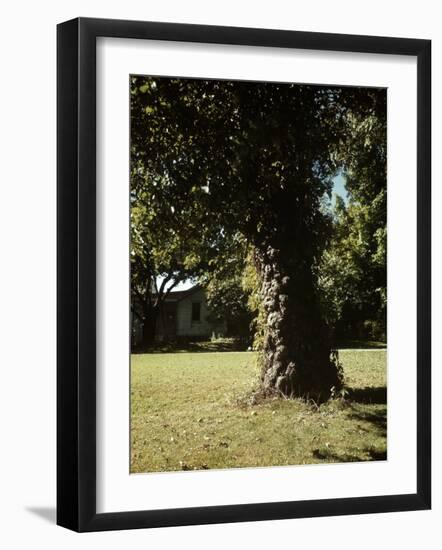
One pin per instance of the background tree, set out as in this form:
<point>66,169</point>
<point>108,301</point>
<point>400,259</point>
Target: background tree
<point>260,158</point>
<point>353,272</point>
<point>161,255</point>
<point>167,239</point>
<point>227,296</point>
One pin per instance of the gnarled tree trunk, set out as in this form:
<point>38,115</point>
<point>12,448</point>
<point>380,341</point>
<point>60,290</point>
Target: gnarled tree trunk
<point>297,357</point>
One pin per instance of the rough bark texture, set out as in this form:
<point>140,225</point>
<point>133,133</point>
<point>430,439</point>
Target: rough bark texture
<point>297,358</point>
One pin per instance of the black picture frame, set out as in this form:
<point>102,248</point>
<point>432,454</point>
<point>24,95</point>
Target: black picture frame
<point>77,287</point>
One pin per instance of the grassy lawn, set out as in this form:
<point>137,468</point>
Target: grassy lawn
<point>188,413</point>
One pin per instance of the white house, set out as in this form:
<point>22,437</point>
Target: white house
<point>185,314</point>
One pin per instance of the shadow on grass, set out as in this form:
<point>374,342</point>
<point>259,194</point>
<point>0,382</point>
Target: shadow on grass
<point>368,395</point>
<point>235,344</point>
<point>221,345</point>
<point>358,399</point>
<point>330,456</point>
<point>378,418</point>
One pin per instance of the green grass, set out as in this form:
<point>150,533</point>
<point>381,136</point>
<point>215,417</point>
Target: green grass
<point>188,412</point>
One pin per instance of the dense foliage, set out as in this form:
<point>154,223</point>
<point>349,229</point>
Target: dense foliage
<point>354,268</point>
<point>228,183</point>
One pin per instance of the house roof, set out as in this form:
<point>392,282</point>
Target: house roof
<point>178,295</point>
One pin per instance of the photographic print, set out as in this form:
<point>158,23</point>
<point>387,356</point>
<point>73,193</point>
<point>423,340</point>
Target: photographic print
<point>258,259</point>
<point>222,274</point>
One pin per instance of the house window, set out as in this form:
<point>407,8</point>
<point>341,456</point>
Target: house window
<point>196,312</point>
